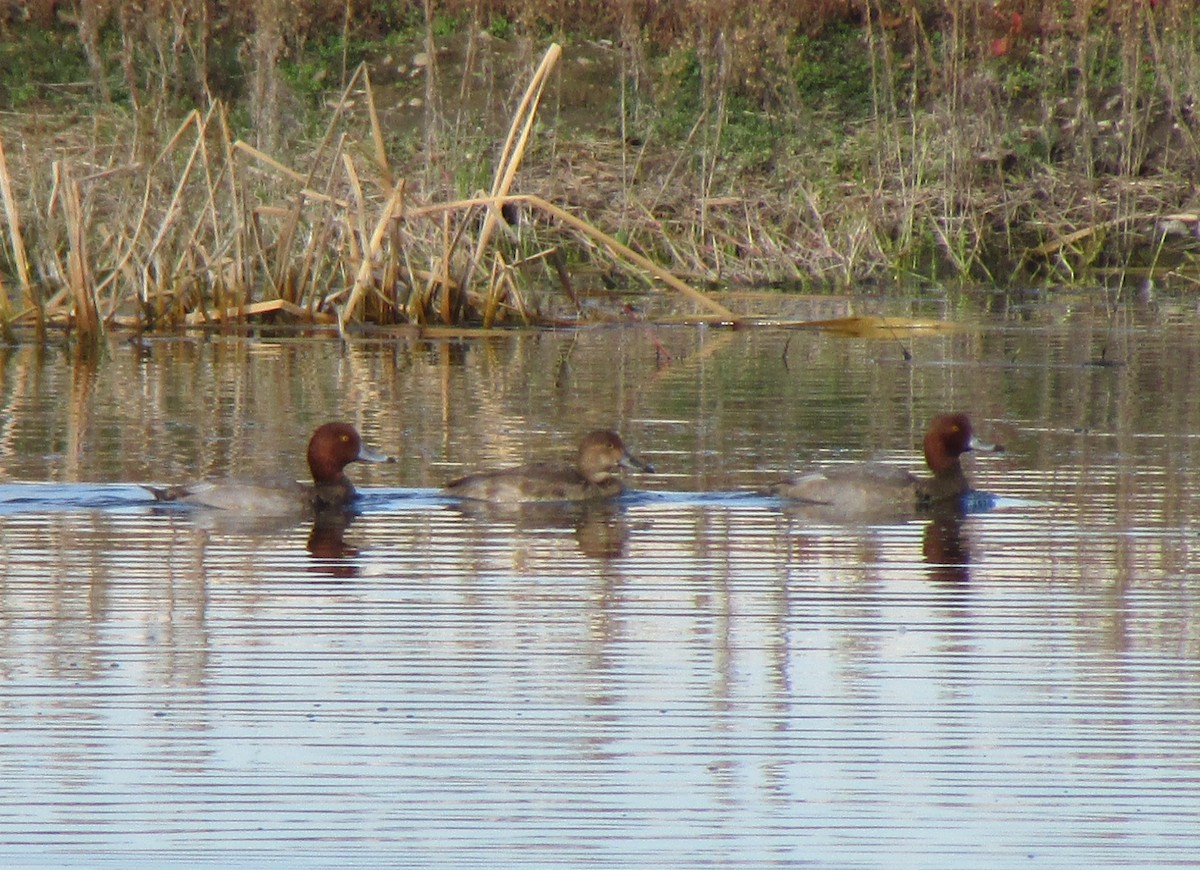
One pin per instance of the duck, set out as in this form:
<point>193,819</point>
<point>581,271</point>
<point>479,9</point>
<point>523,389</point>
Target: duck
<point>874,488</point>
<point>594,475</point>
<point>331,448</point>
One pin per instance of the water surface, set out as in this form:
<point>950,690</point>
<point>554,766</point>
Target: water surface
<point>695,675</point>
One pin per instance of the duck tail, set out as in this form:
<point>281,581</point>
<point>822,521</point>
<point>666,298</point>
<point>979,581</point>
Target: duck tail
<point>166,493</point>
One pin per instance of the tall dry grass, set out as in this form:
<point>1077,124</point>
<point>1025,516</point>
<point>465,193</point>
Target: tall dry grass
<point>213,228</point>
<point>1017,138</point>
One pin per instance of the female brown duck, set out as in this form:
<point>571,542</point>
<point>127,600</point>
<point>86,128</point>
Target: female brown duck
<point>596,474</point>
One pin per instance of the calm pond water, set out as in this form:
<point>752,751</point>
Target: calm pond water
<point>694,676</point>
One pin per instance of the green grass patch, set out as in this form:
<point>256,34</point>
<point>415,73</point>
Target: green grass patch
<point>34,61</point>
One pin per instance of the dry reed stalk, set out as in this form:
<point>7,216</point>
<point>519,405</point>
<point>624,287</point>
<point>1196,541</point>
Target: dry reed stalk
<point>500,287</point>
<point>390,280</point>
<point>290,216</point>
<point>211,191</point>
<point>1070,239</point>
<point>514,292</point>
<point>394,208</point>
<point>16,241</point>
<point>377,132</point>
<point>174,209</point>
<point>432,103</point>
<point>236,273</point>
<point>448,246</point>
<point>79,277</point>
<point>140,223</point>
<point>292,223</point>
<point>270,161</point>
<point>435,276</point>
<point>6,313</point>
<point>286,171</point>
<point>438,276</point>
<point>615,248</point>
<point>203,315</point>
<point>282,279</point>
<point>318,241</point>
<point>195,244</point>
<point>412,274</point>
<point>492,302</point>
<point>654,226</point>
<point>513,152</point>
<point>359,203</point>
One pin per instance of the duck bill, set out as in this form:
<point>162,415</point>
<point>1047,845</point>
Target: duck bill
<point>631,461</point>
<point>984,446</point>
<point>369,454</point>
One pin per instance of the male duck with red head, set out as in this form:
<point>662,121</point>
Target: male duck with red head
<point>872,488</point>
<point>332,447</point>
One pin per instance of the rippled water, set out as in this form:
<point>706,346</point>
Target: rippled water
<point>693,676</point>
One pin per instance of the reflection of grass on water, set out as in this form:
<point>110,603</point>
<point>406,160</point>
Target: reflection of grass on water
<point>749,143</point>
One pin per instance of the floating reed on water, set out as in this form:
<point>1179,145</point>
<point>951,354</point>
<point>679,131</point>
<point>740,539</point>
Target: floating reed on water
<point>212,229</point>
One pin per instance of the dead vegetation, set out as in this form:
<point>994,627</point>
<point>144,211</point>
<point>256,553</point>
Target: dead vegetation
<point>1045,142</point>
<point>194,238</point>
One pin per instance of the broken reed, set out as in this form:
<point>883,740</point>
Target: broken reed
<point>214,229</point>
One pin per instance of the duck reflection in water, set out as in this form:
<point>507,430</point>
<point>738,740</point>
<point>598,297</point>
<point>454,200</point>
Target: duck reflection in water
<point>600,527</point>
<point>327,545</point>
<point>945,549</point>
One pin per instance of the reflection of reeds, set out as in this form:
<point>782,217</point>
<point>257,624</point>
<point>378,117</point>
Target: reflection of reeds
<point>214,228</point>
